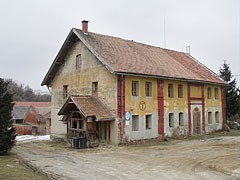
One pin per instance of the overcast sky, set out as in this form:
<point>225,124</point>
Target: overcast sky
<point>32,31</point>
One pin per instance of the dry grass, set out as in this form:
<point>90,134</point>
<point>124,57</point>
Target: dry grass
<point>10,168</point>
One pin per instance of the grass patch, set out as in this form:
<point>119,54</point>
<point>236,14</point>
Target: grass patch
<point>233,132</point>
<point>10,168</point>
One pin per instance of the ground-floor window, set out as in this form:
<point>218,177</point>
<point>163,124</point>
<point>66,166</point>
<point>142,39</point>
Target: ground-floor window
<point>217,117</point>
<point>135,122</point>
<point>181,121</point>
<point>209,117</point>
<point>171,120</point>
<point>148,121</point>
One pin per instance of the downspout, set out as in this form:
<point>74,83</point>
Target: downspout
<point>121,109</point>
<point>49,90</point>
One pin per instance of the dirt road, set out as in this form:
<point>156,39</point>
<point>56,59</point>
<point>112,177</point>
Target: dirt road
<point>215,158</point>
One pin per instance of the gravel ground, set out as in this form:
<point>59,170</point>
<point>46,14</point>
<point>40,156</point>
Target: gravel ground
<point>215,159</point>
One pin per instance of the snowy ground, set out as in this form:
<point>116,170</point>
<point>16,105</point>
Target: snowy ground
<point>30,138</point>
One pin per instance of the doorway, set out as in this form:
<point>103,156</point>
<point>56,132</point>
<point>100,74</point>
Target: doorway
<point>196,121</point>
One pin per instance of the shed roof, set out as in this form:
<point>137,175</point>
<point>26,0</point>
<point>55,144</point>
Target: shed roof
<point>88,106</point>
<point>122,56</point>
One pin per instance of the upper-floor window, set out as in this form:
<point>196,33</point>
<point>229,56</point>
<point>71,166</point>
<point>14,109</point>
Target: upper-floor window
<point>209,92</point>
<point>148,121</point>
<point>65,91</point>
<point>148,89</point>
<point>94,88</point>
<point>180,91</point>
<point>78,62</point>
<point>170,90</point>
<point>135,88</point>
<point>216,93</point>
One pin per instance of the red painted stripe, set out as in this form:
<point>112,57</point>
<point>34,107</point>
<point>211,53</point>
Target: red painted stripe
<point>189,108</point>
<point>196,99</point>
<point>160,107</point>
<point>203,109</point>
<point>223,111</point>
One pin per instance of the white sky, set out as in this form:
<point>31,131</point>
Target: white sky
<point>32,31</point>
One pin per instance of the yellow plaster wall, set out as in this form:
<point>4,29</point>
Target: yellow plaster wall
<point>80,83</point>
<point>212,102</point>
<point>132,102</point>
<point>195,91</point>
<point>175,103</point>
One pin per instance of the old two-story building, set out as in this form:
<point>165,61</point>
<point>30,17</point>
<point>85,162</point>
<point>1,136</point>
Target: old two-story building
<point>124,90</point>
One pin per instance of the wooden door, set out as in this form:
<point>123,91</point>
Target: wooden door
<point>196,121</point>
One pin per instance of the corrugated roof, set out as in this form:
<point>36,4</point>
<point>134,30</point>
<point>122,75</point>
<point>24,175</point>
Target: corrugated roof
<point>88,106</point>
<point>129,57</point>
<point>19,112</point>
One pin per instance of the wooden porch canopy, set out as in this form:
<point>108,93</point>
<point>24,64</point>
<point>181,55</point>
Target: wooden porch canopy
<point>88,106</point>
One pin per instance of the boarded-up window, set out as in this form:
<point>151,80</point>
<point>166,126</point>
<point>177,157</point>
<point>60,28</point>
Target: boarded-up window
<point>78,62</point>
<point>209,92</point>
<point>148,121</point>
<point>94,88</point>
<point>135,88</point>
<point>217,117</point>
<point>171,119</point>
<point>170,90</point>
<point>181,121</point>
<point>135,122</point>
<point>216,93</point>
<point>180,91</point>
<point>148,89</point>
<point>65,91</point>
<point>209,117</point>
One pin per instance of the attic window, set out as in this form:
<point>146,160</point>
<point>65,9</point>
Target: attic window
<point>94,88</point>
<point>65,91</point>
<point>78,62</point>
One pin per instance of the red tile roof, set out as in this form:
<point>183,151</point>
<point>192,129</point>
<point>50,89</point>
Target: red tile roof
<point>35,104</point>
<point>129,57</point>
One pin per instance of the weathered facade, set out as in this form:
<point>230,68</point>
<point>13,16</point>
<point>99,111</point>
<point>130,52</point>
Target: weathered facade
<point>158,89</point>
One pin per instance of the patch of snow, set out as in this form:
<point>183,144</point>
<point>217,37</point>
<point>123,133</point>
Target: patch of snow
<point>30,138</point>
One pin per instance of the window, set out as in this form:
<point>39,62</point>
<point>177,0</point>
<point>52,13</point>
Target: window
<point>94,88</point>
<point>209,117</point>
<point>170,90</point>
<point>217,117</point>
<point>148,89</point>
<point>78,62</point>
<point>65,91</point>
<point>148,121</point>
<point>135,88</point>
<point>216,93</point>
<point>181,119</point>
<point>171,120</point>
<point>180,91</point>
<point>135,123</point>
<point>209,92</point>
<point>19,121</point>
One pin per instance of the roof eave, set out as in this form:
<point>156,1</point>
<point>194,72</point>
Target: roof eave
<point>171,78</point>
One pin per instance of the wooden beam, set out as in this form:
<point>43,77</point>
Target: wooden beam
<point>109,130</point>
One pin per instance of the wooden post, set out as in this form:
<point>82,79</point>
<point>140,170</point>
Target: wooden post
<point>105,130</point>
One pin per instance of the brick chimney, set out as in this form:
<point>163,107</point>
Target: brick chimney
<point>85,26</point>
